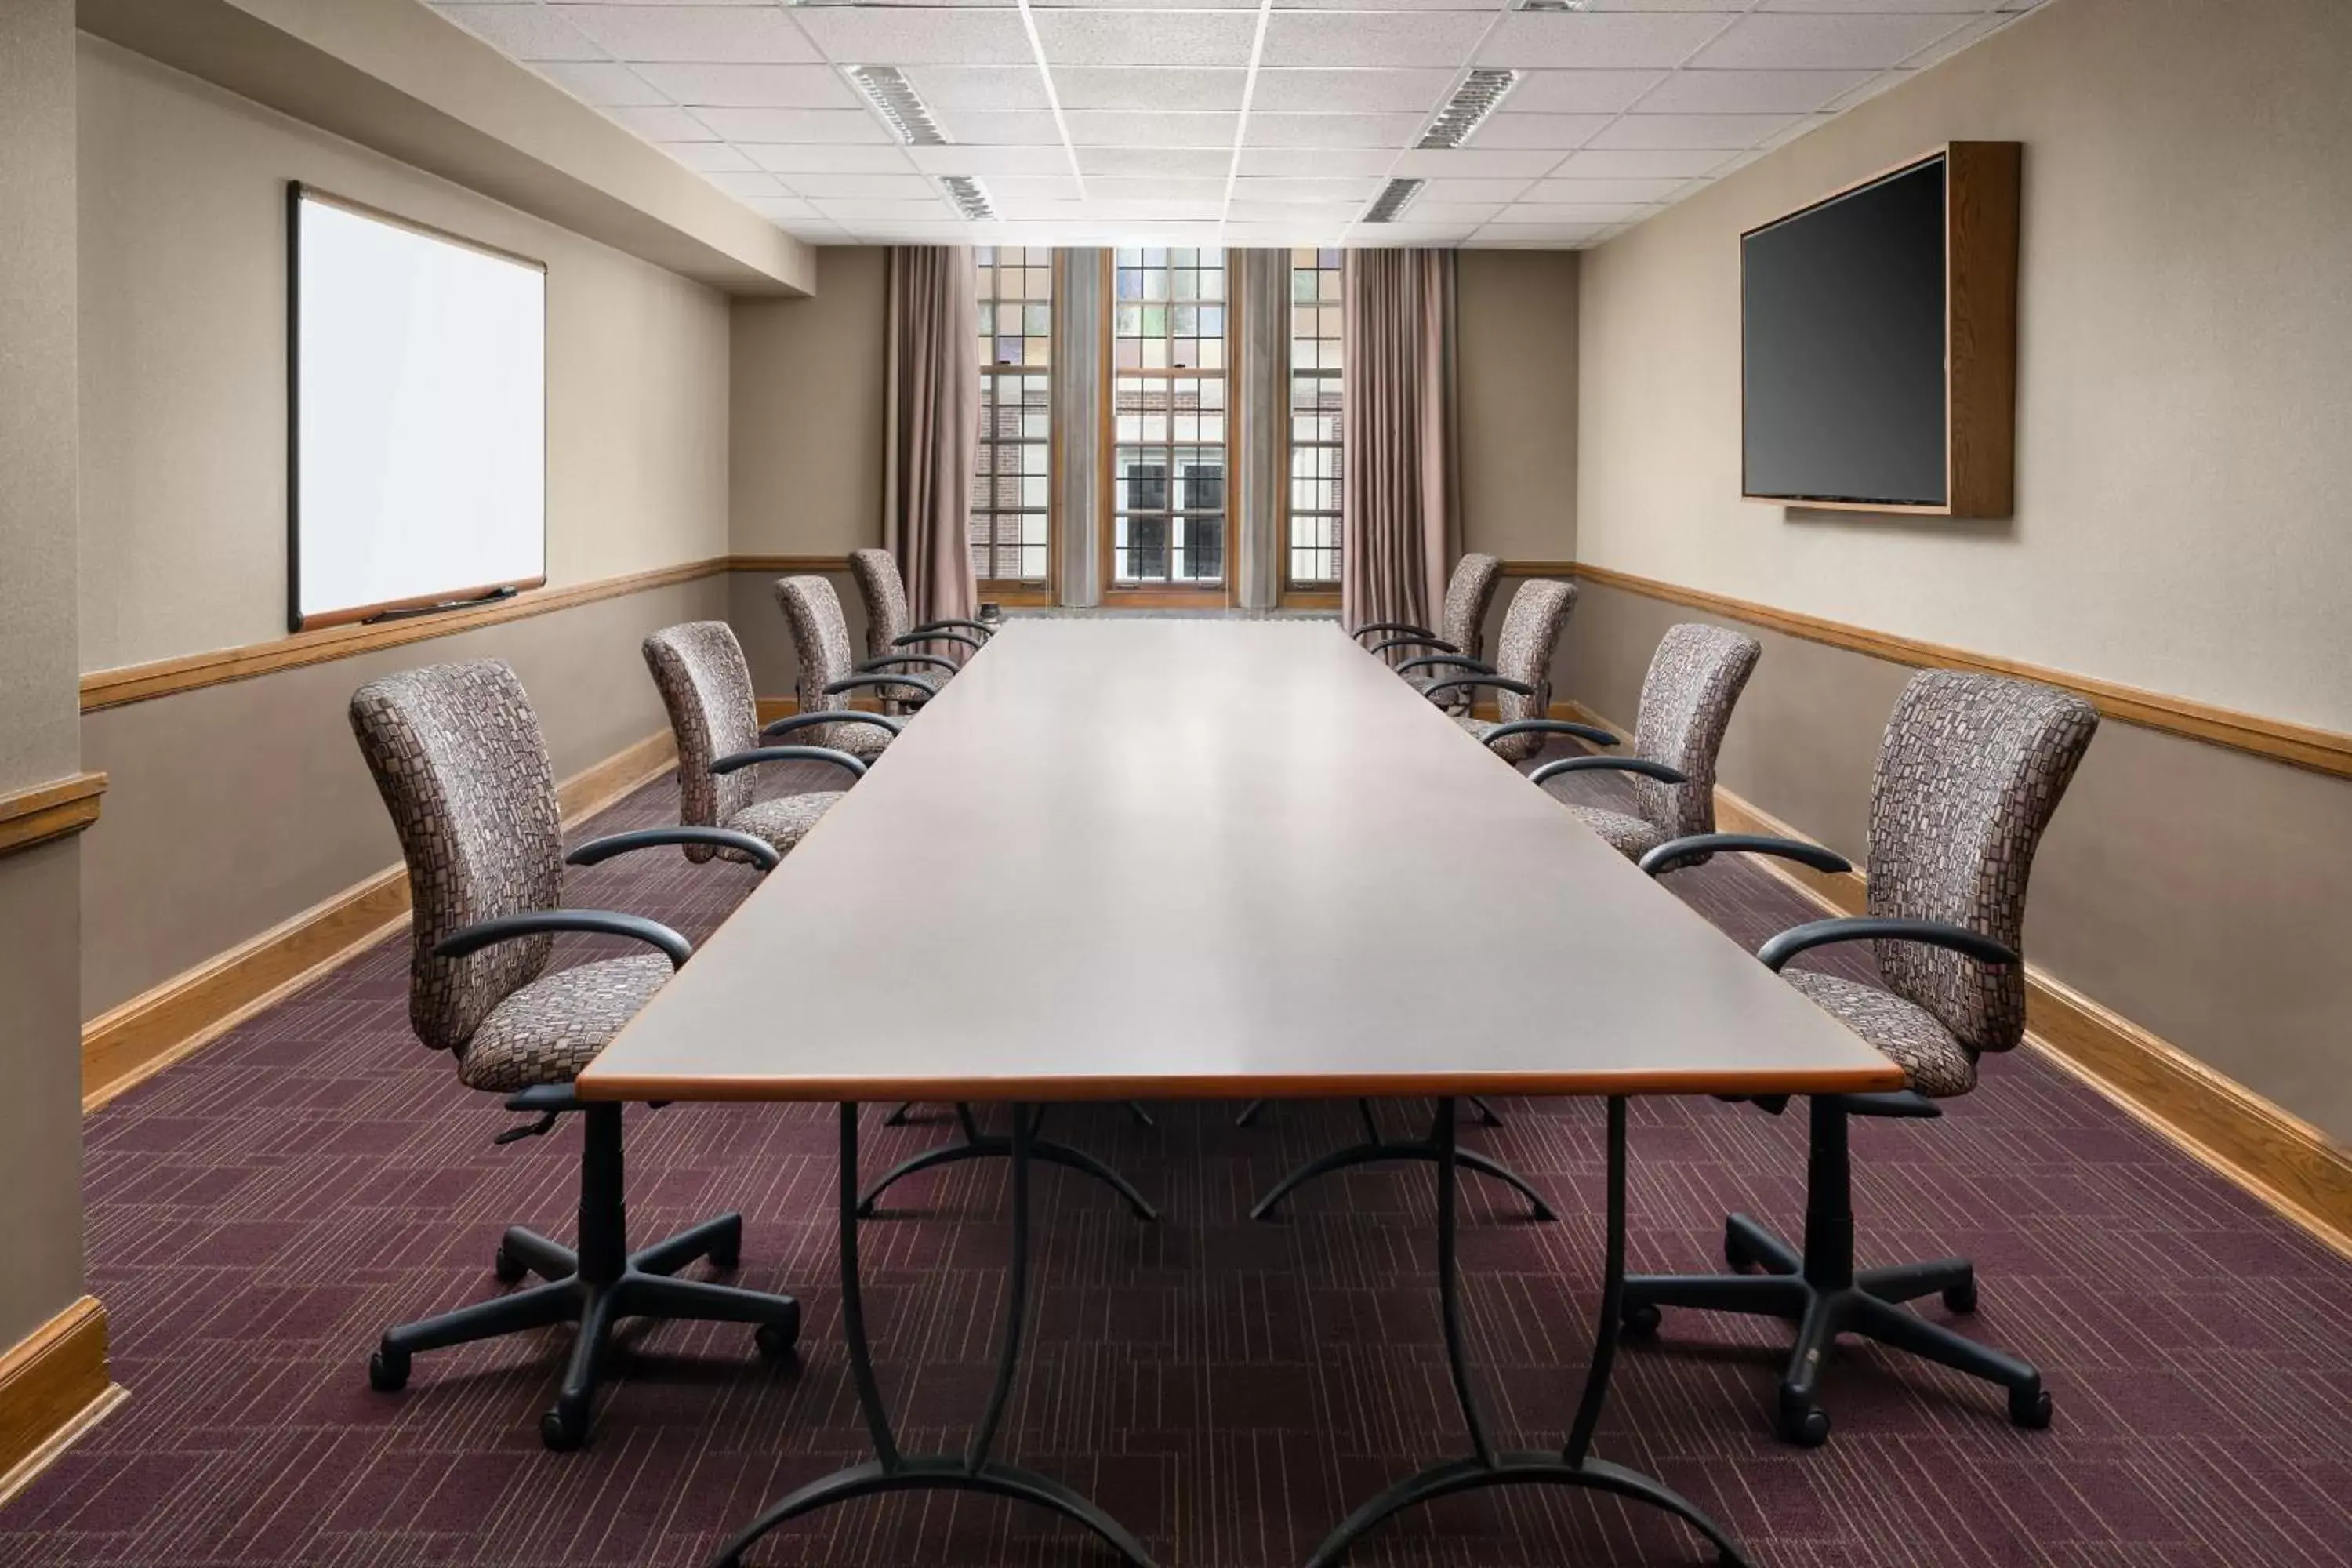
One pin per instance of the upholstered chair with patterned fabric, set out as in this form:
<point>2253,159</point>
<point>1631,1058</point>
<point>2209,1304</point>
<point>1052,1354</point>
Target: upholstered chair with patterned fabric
<point>458,758</point>
<point>1521,676</point>
<point>1459,641</point>
<point>1694,681</point>
<point>1970,770</point>
<point>888,629</point>
<point>829,670</point>
<point>704,682</point>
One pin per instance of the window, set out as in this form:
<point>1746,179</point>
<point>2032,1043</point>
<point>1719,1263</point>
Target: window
<point>1011,483</point>
<point>1313,558</point>
<point>1168,403</point>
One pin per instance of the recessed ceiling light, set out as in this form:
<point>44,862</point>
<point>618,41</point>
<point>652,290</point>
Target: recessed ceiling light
<point>970,197</point>
<point>888,89</point>
<point>1393,200</point>
<point>1524,4</point>
<point>1464,112</point>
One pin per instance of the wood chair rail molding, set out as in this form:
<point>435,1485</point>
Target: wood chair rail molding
<point>2290,1165</point>
<point>41,813</point>
<point>2281,739</point>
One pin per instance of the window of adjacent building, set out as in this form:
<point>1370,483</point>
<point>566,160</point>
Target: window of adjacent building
<point>1313,557</point>
<point>1011,510</point>
<point>1168,401</point>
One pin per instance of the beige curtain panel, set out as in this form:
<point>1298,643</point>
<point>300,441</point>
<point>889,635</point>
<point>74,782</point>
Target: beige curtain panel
<point>1399,522</point>
<point>934,407</point>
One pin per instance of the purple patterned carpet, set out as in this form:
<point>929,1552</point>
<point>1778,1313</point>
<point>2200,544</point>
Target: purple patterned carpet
<point>1229,1390</point>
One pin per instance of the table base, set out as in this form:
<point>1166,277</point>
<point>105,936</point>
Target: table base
<point>1378,1149</point>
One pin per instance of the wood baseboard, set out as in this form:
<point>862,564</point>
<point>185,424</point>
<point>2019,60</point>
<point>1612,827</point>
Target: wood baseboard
<point>2291,1166</point>
<point>53,1387</point>
<point>129,1044</point>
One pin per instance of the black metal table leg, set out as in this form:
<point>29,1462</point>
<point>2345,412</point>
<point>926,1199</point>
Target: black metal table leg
<point>1573,1465</point>
<point>1378,1149</point>
<point>972,1472</point>
<point>979,1145</point>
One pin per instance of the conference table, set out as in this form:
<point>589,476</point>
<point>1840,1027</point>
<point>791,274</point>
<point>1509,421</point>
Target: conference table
<point>1356,896</point>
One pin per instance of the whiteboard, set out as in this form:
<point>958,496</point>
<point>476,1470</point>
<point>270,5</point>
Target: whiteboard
<point>418,455</point>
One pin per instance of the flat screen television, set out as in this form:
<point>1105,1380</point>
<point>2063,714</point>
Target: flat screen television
<point>1877,342</point>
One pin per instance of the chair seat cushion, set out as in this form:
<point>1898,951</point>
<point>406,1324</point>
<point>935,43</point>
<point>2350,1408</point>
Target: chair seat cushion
<point>548,1030</point>
<point>1935,1063</point>
<point>1513,749</point>
<point>1629,835</point>
<point>785,820</point>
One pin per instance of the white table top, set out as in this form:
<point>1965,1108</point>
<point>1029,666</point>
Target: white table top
<point>1165,858</point>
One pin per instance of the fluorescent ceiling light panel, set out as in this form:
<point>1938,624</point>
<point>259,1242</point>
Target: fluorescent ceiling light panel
<point>888,89</point>
<point>1478,96</point>
<point>1393,199</point>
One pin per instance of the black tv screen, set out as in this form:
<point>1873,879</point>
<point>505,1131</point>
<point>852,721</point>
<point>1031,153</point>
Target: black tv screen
<point>1843,347</point>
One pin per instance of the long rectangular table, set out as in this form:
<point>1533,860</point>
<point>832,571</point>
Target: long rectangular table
<point>1163,858</point>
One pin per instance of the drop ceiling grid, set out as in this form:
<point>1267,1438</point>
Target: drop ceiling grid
<point>1100,121</point>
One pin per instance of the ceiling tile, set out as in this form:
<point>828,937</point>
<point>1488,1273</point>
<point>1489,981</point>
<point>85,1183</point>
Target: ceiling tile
<point>1392,131</point>
<point>782,209</point>
<point>1749,91</point>
<point>1306,188</point>
<point>1579,91</point>
<point>1008,127</point>
<point>754,87</point>
<point>1561,215</point>
<point>828,159</point>
<point>1772,42</point>
<point>1317,160</point>
<point>1327,38</point>
<point>710,157</point>
<point>525,32</point>
<point>877,187</point>
<point>1726,133</point>
<point>1110,128</point>
<point>1317,213</point>
<point>1954,42</point>
<point>850,209</point>
<point>1471,191</point>
<point>1005,188</point>
<point>655,123</point>
<point>1146,38</point>
<point>1157,88</point>
<point>948,88</point>
<point>732,34</point>
<point>602,83</point>
<point>1180,163</point>
<point>1590,165</point>
<point>916,35</point>
<point>1139,188</point>
<point>1583,212</point>
<point>739,184</point>
<point>1880,5</point>
<point>1465,161</point>
<point>1562,132</point>
<point>1138,5</point>
<point>986,160</point>
<point>1349,91</point>
<point>1591,40</point>
<point>794,124</point>
<point>1460,214</point>
<point>1604,191</point>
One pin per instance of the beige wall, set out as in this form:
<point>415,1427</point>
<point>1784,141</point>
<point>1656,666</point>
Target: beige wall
<point>1518,384</point>
<point>183,325</point>
<point>40,1116</point>
<point>806,416</point>
<point>2183,398</point>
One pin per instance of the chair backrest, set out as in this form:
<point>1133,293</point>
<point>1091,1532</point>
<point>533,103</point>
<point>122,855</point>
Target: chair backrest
<point>884,593</point>
<point>1971,768</point>
<point>457,754</point>
<point>1467,594</point>
<point>1694,681</point>
<point>700,670</point>
<point>820,646</point>
<point>1530,635</point>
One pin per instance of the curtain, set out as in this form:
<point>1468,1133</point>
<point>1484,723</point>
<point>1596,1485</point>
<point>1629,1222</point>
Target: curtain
<point>1399,523</point>
<point>934,412</point>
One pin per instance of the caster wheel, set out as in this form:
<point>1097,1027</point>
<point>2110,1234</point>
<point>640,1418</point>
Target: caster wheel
<point>1960,1298</point>
<point>775,1340</point>
<point>565,1428</point>
<point>2029,1408</point>
<point>388,1371</point>
<point>506,1268</point>
<point>1641,1322</point>
<point>1803,1422</point>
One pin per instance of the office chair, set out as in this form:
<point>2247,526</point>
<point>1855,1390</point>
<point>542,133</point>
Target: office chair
<point>704,682</point>
<point>1970,772</point>
<point>1695,681</point>
<point>887,628</point>
<point>457,756</point>
<point>827,670</point>
<point>1462,628</point>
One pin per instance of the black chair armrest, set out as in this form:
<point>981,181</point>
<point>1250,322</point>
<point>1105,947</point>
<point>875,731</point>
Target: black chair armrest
<point>1675,851</point>
<point>953,622</point>
<point>537,922</point>
<point>1776,954</point>
<point>1658,771</point>
<point>1599,737</point>
<point>920,659</point>
<point>911,638</point>
<point>1451,660</point>
<point>1499,682</point>
<point>1439,643</point>
<point>1893,1103</point>
<point>861,682</point>
<point>763,853</point>
<point>785,726</point>
<point>734,760</point>
<point>1406,626</point>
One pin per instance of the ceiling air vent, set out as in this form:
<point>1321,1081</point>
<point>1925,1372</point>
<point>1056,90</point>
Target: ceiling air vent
<point>1393,200</point>
<point>1472,101</point>
<point>888,89</point>
<point>1553,5</point>
<point>970,197</point>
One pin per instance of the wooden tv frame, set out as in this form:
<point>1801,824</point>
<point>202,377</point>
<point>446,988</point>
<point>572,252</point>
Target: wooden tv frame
<point>1981,182</point>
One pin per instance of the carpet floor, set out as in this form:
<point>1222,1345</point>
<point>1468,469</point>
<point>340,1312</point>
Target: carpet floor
<point>1229,1390</point>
